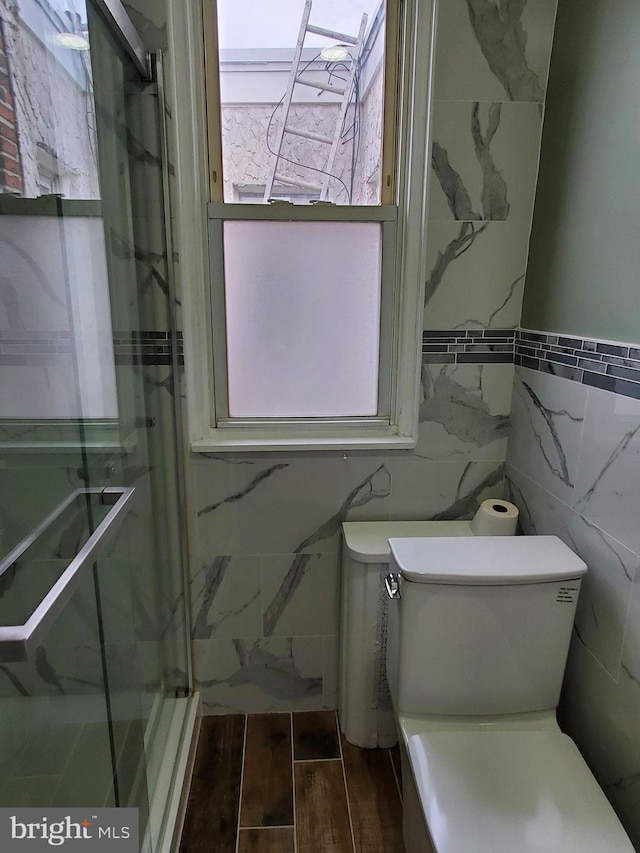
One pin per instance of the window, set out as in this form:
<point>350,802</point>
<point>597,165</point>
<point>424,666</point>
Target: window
<point>311,319</point>
<point>48,171</point>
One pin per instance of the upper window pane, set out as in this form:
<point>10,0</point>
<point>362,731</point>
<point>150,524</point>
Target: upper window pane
<point>302,100</point>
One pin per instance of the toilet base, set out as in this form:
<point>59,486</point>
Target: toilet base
<point>501,784</point>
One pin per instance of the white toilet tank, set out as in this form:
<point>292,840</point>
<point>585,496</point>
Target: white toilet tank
<point>482,625</point>
<point>365,709</point>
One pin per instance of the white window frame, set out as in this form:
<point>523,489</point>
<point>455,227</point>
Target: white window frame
<point>194,172</point>
<point>386,217</point>
<point>292,194</point>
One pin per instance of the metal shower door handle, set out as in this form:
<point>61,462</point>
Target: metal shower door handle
<point>17,642</point>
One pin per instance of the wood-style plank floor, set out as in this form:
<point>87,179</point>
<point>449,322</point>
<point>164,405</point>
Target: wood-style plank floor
<point>289,783</point>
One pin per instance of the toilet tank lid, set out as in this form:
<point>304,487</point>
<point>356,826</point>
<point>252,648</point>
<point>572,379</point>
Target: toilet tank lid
<point>486,560</point>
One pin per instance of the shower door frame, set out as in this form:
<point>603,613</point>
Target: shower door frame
<point>126,34</point>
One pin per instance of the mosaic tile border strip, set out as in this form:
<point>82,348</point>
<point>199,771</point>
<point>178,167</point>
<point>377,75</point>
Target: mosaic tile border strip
<point>29,348</point>
<point>468,346</point>
<point>146,347</point>
<point>589,361</point>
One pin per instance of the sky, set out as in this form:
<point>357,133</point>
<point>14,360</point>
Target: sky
<point>275,23</point>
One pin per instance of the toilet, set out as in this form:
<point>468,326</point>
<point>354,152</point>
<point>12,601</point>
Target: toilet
<point>477,640</point>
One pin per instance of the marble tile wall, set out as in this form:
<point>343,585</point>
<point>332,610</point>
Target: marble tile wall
<point>487,121</point>
<point>265,582</point>
<point>574,471</point>
<point>266,528</point>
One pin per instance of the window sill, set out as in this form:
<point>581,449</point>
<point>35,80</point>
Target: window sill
<point>271,442</point>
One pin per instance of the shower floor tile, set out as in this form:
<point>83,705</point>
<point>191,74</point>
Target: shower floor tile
<point>288,783</point>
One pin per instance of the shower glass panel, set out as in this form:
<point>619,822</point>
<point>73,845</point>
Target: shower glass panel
<point>86,407</point>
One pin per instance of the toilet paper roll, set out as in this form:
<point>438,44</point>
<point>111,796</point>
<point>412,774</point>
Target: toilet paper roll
<point>495,518</point>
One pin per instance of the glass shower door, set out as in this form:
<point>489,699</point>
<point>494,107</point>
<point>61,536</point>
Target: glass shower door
<point>87,423</point>
<point>57,745</point>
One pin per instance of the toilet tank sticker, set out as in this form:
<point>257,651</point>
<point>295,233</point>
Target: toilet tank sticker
<point>567,594</point>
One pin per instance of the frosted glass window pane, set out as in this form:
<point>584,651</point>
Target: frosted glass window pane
<point>58,266</point>
<point>303,318</point>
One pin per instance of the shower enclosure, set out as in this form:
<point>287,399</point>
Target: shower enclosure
<point>96,706</point>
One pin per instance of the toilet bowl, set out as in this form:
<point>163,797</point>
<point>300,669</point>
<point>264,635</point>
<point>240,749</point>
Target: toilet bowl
<point>478,635</point>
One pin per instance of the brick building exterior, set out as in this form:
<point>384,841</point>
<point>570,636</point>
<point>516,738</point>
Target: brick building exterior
<point>10,166</point>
